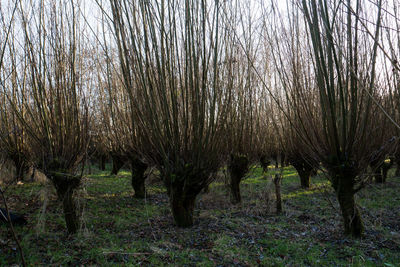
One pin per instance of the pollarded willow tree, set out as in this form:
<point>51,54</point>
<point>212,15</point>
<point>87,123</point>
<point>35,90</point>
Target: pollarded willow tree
<point>244,92</point>
<point>55,107</point>
<point>342,125</point>
<point>343,78</point>
<point>170,54</point>
<point>294,74</point>
<point>118,124</point>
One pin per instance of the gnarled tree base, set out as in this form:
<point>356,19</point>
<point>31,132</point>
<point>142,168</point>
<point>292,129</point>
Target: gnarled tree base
<point>117,163</point>
<point>352,221</point>
<point>65,186</point>
<point>138,168</point>
<point>238,167</point>
<point>343,181</point>
<point>303,168</point>
<point>182,210</point>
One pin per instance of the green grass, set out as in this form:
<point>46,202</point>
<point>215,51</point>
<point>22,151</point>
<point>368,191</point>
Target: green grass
<point>121,230</point>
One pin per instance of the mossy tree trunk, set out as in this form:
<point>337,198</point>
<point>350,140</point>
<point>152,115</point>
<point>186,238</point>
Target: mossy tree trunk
<point>238,167</point>
<point>138,169</point>
<point>65,186</point>
<point>343,182</point>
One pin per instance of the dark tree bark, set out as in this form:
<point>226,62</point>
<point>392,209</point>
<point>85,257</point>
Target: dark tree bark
<point>206,189</point>
<point>184,182</point>
<point>343,181</point>
<point>21,166</point>
<point>118,162</point>
<point>385,169</point>
<point>381,168</point>
<point>277,183</point>
<point>138,168</point>
<point>351,216</point>
<point>33,174</point>
<point>377,170</point>
<point>103,159</point>
<point>182,198</point>
<point>275,158</point>
<point>304,169</point>
<point>65,186</point>
<point>238,167</point>
<point>264,162</point>
<point>182,208</point>
<point>235,191</point>
<point>305,180</point>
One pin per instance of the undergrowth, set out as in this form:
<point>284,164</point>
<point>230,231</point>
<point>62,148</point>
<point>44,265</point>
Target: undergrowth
<point>121,230</point>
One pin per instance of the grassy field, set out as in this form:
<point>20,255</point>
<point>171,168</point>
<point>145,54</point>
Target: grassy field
<point>120,230</point>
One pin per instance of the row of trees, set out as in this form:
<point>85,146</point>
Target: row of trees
<point>189,87</point>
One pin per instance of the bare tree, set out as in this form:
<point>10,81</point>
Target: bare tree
<point>56,118</point>
<point>170,55</point>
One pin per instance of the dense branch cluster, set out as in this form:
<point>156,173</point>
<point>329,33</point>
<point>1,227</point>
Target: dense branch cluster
<point>192,87</point>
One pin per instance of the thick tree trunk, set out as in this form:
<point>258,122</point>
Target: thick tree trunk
<point>304,169</point>
<point>65,186</point>
<point>117,164</point>
<point>103,159</point>
<point>352,221</point>
<point>21,168</point>
<point>139,188</point>
<point>264,162</point>
<point>70,212</point>
<point>182,209</point>
<point>138,177</point>
<point>238,167</point>
<point>305,180</point>
<point>235,190</point>
<point>385,169</point>
<point>343,183</point>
